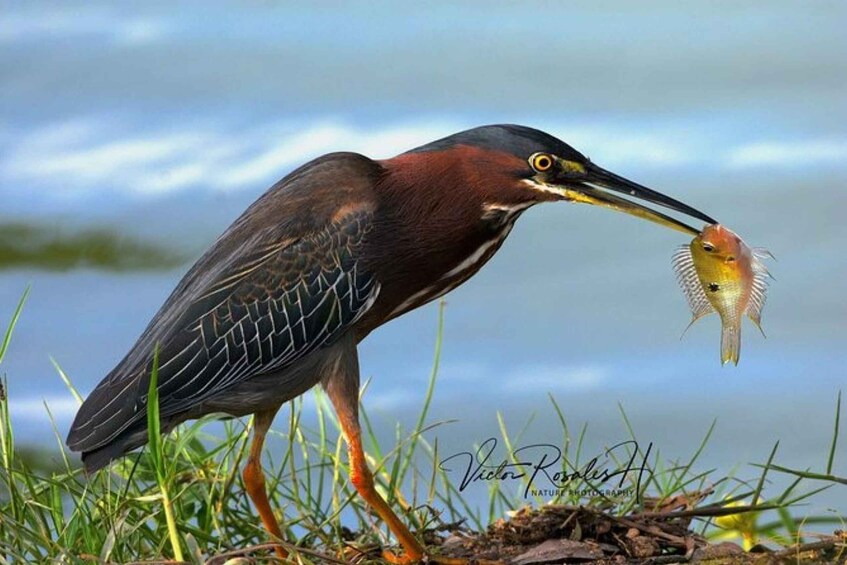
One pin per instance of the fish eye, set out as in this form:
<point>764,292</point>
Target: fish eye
<point>541,162</point>
<point>714,287</point>
<point>708,247</point>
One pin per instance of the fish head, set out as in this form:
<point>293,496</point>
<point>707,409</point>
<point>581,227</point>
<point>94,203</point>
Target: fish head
<point>718,244</point>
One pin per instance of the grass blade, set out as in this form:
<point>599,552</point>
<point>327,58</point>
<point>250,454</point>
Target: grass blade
<point>834,435</point>
<point>155,442</point>
<point>7,338</point>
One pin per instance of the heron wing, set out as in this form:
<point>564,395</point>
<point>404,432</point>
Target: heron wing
<point>263,297</point>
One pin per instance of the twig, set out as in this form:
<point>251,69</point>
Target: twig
<point>706,511</point>
<point>831,543</point>
<point>159,562</point>
<point>222,557</point>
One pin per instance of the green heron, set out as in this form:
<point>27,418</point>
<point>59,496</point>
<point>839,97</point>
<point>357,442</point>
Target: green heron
<point>332,251</point>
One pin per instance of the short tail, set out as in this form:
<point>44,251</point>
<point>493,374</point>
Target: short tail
<point>730,343</point>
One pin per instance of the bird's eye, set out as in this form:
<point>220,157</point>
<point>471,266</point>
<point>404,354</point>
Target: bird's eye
<point>541,162</point>
<point>708,247</point>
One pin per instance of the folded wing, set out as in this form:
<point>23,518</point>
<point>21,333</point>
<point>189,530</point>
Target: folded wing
<point>266,295</point>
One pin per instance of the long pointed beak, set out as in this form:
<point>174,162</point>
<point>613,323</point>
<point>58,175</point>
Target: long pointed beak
<point>590,191</point>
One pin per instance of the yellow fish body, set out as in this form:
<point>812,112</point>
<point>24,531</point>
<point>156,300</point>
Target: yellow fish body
<point>719,273</point>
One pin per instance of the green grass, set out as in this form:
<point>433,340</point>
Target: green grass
<point>181,497</point>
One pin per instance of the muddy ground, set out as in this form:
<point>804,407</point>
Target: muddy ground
<point>574,534</point>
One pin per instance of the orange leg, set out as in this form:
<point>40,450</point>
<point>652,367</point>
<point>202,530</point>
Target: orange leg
<point>344,393</point>
<point>254,477</point>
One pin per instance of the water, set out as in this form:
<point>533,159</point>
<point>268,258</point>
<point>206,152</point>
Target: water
<point>166,122</point>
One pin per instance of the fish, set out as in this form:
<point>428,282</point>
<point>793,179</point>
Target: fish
<point>720,273</point>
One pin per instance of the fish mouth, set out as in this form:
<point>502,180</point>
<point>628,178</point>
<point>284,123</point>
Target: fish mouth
<point>597,187</point>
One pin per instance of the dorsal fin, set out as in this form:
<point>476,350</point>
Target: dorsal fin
<point>759,287</point>
<point>683,264</point>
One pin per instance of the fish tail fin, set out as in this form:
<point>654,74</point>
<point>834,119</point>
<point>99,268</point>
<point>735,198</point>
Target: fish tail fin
<point>730,343</point>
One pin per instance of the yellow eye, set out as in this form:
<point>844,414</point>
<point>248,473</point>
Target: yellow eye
<point>541,162</point>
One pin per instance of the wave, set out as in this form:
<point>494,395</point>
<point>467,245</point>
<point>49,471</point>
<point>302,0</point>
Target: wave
<point>85,157</point>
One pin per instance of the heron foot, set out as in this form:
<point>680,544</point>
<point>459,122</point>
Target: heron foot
<point>400,559</point>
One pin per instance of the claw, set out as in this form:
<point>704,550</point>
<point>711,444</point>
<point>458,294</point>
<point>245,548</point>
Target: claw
<point>404,559</point>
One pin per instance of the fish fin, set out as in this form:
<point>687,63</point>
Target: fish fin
<point>691,323</point>
<point>758,292</point>
<point>686,275</point>
<point>756,319</point>
<point>730,343</point>
<point>760,253</point>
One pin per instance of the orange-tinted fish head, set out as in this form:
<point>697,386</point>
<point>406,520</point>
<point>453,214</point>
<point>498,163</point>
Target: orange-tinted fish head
<point>720,243</point>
